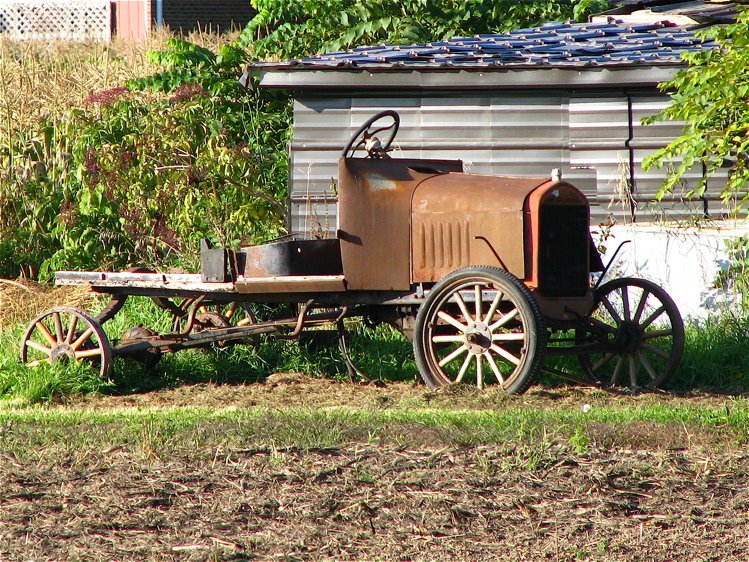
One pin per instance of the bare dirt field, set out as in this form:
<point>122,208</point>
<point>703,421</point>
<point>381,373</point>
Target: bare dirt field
<point>634,495</point>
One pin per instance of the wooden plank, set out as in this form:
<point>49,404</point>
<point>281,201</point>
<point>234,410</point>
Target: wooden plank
<point>192,282</point>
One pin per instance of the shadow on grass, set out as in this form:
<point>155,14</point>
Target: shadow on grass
<point>380,354</point>
<point>715,361</point>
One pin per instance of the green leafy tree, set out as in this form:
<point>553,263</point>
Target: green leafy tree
<point>139,173</point>
<point>284,29</point>
<point>711,95</point>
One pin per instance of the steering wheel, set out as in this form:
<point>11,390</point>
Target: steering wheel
<point>366,137</point>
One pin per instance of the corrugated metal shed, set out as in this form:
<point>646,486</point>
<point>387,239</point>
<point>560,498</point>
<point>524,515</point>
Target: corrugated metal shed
<point>562,95</point>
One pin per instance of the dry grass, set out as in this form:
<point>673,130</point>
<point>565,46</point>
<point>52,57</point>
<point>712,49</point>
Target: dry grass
<point>44,80</point>
<point>22,300</point>
<point>40,80</point>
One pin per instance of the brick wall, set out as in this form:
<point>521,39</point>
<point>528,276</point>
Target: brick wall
<point>187,15</point>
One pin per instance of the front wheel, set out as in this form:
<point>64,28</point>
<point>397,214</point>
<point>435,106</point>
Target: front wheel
<point>481,325</point>
<point>636,334</point>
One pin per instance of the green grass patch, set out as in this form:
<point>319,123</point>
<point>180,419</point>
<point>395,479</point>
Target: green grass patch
<point>29,433</point>
<point>715,356</point>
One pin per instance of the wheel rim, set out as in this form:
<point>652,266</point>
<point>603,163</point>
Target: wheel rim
<point>476,332</point>
<point>66,334</point>
<point>640,332</point>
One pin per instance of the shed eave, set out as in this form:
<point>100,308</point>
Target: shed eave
<point>461,79</point>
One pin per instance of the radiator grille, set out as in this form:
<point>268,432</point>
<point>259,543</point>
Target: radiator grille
<point>563,251</point>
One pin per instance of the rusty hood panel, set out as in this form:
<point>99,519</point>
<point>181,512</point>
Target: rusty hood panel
<point>463,219</point>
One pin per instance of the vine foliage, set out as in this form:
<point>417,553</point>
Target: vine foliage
<point>711,97</point>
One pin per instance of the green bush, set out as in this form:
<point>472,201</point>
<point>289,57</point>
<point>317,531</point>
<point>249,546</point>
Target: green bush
<point>285,29</point>
<point>183,155</point>
<point>710,97</point>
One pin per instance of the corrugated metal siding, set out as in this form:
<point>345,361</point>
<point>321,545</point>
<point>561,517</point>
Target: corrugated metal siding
<point>597,140</point>
<point>645,141</point>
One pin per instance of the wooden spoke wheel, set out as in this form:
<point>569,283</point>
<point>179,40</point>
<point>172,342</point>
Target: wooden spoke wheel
<point>480,325</point>
<point>66,334</point>
<point>638,334</point>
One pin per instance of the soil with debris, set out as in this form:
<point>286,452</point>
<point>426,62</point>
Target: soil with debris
<point>372,503</point>
<point>297,390</point>
<point>638,497</point>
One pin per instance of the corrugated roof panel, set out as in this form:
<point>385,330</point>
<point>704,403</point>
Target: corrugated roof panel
<point>552,44</point>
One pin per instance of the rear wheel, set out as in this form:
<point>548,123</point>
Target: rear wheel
<point>638,333</point>
<point>66,334</point>
<point>480,325</point>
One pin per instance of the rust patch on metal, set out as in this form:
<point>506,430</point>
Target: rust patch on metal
<point>462,219</point>
<point>374,209</point>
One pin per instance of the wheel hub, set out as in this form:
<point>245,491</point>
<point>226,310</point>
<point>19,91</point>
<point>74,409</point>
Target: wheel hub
<point>478,338</point>
<point>628,337</point>
<point>62,351</point>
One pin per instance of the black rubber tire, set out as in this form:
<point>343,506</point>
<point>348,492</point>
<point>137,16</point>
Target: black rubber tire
<point>516,320</point>
<point>647,334</point>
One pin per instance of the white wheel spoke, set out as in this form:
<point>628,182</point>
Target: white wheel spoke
<point>82,339</point>
<point>506,354</point>
<point>632,371</point>
<point>658,334</point>
<point>449,339</point>
<point>509,336</point>
<point>39,347</point>
<point>464,368</point>
<point>600,324</point>
<point>479,303</point>
<point>453,355</point>
<point>656,351</point>
<point>452,321</point>
<point>71,329</point>
<point>88,353</point>
<point>653,317</point>
<point>641,305</point>
<point>604,360</point>
<point>36,363</point>
<point>463,308</point>
<point>58,328</point>
<point>479,373</point>
<point>648,367</point>
<point>612,311</point>
<point>494,368</point>
<point>617,370</point>
<point>625,302</point>
<point>493,307</point>
<point>504,320</point>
